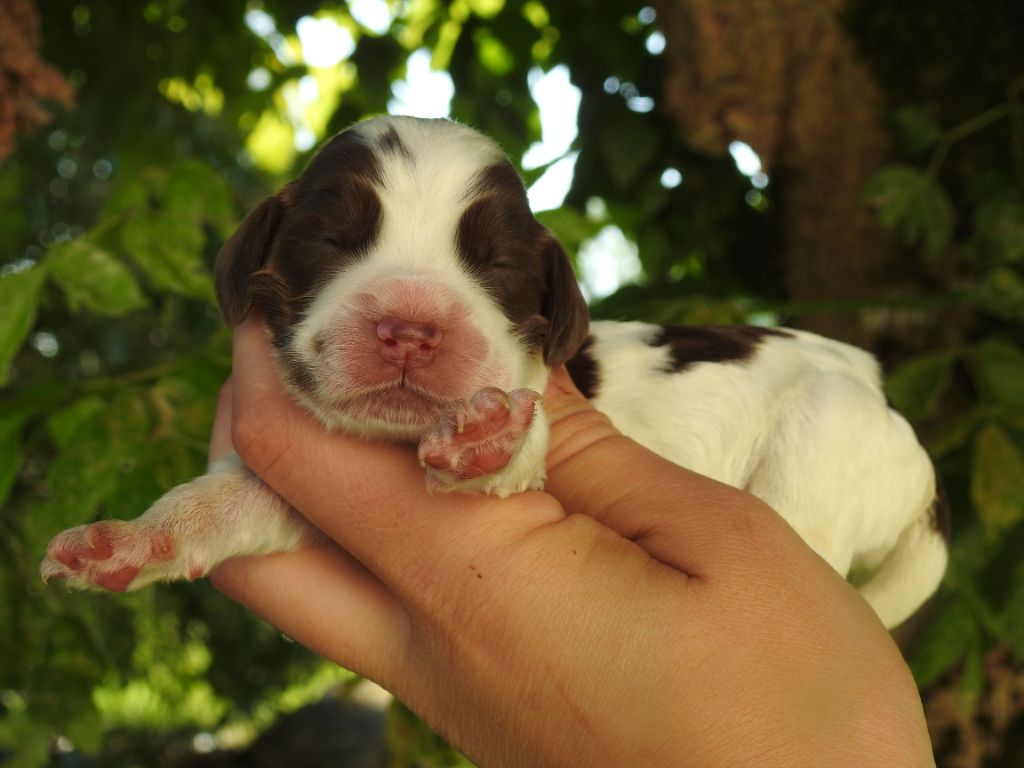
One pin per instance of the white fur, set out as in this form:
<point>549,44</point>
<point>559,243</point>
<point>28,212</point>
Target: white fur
<point>802,423</point>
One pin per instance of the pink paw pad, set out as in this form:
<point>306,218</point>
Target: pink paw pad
<point>117,580</point>
<point>478,437</point>
<point>108,554</point>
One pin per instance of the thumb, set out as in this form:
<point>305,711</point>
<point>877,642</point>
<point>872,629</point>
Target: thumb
<point>591,466</point>
<point>575,423</point>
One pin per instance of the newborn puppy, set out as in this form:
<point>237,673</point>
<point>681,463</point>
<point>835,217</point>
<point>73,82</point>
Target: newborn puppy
<point>410,295</point>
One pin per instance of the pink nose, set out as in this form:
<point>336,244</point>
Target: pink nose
<point>407,343</point>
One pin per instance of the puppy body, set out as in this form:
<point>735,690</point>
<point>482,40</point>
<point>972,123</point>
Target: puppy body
<point>795,419</point>
<point>410,294</point>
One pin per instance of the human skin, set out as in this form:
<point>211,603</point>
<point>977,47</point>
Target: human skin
<point>633,614</point>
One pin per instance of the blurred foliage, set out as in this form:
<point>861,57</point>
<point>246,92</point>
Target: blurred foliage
<point>111,351</point>
<point>954,195</point>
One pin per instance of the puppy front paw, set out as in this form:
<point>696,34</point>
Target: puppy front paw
<point>478,439</point>
<point>117,555</point>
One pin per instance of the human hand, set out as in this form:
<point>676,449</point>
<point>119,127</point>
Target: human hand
<point>634,614</point>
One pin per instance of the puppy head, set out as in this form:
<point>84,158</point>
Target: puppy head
<point>402,270</point>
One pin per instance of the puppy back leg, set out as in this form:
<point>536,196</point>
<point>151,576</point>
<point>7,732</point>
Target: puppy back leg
<point>226,512</point>
<point>910,573</point>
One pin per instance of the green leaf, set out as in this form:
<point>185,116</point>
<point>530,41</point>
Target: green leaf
<point>19,295</point>
<point>85,731</point>
<point>132,195</point>
<point>486,9</point>
<point>998,368</point>
<point>14,222</point>
<point>93,279</point>
<point>1000,293</point>
<point>66,425</point>
<point>951,433</point>
<point>945,641</point>
<point>100,442</point>
<point>10,451</point>
<point>972,679</point>
<point>999,229</point>
<point>28,740</point>
<point>997,479</point>
<point>199,193</point>
<point>570,226</point>
<point>1013,613</point>
<point>916,387</point>
<point>913,205</point>
<point>916,130</point>
<point>493,54</point>
<point>973,554</point>
<point>169,250</point>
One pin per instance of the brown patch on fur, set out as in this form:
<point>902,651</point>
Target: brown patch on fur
<point>521,264</point>
<point>390,143</point>
<point>294,242</point>
<point>688,345</point>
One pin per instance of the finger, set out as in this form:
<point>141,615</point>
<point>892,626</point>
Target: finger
<point>326,600</point>
<point>575,423</point>
<point>681,518</point>
<point>220,437</point>
<point>368,496</point>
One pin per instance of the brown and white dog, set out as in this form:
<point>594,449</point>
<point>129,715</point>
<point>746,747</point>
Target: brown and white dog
<point>410,294</point>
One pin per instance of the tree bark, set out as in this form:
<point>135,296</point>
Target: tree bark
<point>781,76</point>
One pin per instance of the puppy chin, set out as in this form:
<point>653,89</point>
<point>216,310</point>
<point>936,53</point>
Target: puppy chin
<point>367,416</point>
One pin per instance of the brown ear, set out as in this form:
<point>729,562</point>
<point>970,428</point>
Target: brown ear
<point>564,307</point>
<point>244,253</point>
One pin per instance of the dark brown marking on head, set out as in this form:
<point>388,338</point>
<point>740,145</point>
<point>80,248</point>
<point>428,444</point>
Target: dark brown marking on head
<point>688,345</point>
<point>521,264</point>
<point>939,512</point>
<point>390,143</point>
<point>296,241</point>
<point>348,152</point>
<point>500,178</point>
<point>584,369</point>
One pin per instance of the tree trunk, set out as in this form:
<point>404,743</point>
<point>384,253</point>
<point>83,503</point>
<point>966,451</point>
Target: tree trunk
<point>781,76</point>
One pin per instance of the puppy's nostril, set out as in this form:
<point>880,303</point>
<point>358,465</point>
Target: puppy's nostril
<point>394,331</point>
